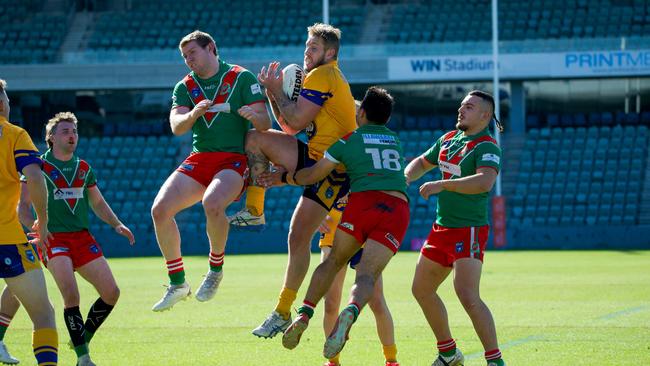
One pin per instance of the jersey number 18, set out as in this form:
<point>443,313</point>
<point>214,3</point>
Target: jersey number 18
<point>388,159</point>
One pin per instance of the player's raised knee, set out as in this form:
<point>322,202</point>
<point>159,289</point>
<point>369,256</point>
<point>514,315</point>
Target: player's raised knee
<point>214,207</point>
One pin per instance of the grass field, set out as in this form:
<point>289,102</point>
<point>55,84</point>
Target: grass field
<point>551,308</point>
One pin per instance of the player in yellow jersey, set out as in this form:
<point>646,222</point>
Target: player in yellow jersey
<point>19,264</point>
<point>326,110</point>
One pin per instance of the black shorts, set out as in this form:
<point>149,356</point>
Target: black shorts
<point>328,191</point>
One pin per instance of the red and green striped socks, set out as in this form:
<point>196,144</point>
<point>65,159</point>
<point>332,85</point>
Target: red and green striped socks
<point>493,357</point>
<point>216,261</point>
<point>307,308</point>
<point>176,271</point>
<point>4,324</point>
<point>447,348</point>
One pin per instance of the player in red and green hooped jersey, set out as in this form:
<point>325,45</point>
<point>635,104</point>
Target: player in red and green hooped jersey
<point>19,264</point>
<point>377,214</point>
<point>217,101</point>
<point>469,160</point>
<point>73,190</point>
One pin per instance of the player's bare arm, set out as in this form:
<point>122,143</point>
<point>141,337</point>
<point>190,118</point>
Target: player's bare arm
<point>257,114</point>
<point>25,214</point>
<point>181,119</point>
<point>481,182</point>
<point>101,208</point>
<point>417,168</point>
<point>278,116</point>
<point>297,115</point>
<point>38,194</point>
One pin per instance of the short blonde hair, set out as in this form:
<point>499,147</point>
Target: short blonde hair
<point>50,127</point>
<point>3,85</point>
<point>330,35</point>
<point>202,39</point>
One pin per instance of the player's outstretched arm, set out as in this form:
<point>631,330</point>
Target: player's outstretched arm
<point>417,168</point>
<point>314,173</point>
<point>181,119</point>
<point>101,208</point>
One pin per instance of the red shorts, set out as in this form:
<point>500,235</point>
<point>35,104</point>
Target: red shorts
<point>378,216</point>
<point>80,246</point>
<point>203,166</point>
<point>447,244</point>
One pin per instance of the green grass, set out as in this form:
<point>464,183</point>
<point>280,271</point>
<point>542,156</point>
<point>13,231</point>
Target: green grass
<point>551,308</point>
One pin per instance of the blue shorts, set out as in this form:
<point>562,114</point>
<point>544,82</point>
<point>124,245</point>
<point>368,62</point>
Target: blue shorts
<point>356,258</point>
<point>16,259</point>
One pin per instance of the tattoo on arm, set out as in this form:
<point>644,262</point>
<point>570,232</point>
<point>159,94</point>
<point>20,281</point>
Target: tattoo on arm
<point>258,164</point>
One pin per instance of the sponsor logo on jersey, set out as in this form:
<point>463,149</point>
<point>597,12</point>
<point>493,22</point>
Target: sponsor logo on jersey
<point>379,139</point>
<point>30,255</point>
<point>256,89</point>
<point>459,247</point>
<point>491,157</point>
<point>57,250</point>
<point>195,92</point>
<point>348,226</point>
<point>225,89</point>
<point>450,168</point>
<point>310,130</point>
<point>392,240</point>
<point>94,248</point>
<point>68,193</point>
<point>82,174</point>
<point>210,87</point>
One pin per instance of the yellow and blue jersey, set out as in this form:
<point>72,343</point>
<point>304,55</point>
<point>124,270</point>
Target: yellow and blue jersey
<point>16,152</point>
<point>327,87</point>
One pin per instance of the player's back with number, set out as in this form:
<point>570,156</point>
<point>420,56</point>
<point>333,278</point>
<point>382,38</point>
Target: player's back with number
<point>373,158</point>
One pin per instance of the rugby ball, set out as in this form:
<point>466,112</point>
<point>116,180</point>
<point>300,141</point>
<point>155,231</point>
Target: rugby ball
<point>292,78</point>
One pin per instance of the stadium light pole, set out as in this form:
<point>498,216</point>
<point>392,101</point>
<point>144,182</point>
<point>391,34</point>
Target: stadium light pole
<point>495,78</point>
<point>326,11</point>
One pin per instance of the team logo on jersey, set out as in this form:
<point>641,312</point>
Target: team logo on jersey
<point>8,261</point>
<point>329,192</point>
<point>30,255</point>
<point>54,174</point>
<point>348,226</point>
<point>195,93</point>
<point>445,144</point>
<point>236,164</point>
<point>225,89</point>
<point>94,248</point>
<point>82,174</point>
<point>392,240</point>
<point>459,247</point>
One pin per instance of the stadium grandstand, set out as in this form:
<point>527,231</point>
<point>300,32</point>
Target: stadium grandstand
<point>574,97</point>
